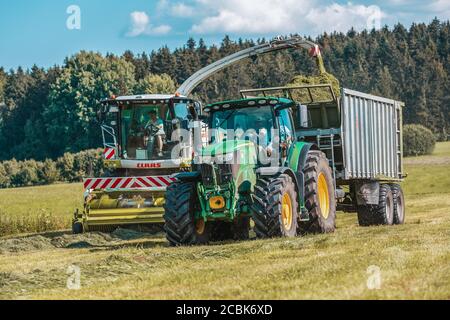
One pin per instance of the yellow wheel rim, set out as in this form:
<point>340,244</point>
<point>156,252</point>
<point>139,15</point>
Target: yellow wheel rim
<point>286,211</point>
<point>200,226</point>
<point>324,197</point>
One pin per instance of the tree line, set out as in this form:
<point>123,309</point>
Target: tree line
<point>48,112</point>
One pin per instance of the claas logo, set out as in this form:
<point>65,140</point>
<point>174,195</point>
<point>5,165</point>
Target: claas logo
<point>149,165</point>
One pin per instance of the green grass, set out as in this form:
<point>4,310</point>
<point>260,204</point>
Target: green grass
<point>37,209</point>
<point>413,259</point>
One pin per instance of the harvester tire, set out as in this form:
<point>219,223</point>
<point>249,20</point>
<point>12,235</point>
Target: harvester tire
<point>320,198</point>
<point>180,224</point>
<point>275,207</point>
<point>399,204</point>
<point>381,214</point>
<point>77,228</point>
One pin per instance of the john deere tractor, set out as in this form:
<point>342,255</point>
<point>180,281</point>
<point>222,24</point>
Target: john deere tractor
<point>254,167</point>
<point>288,162</point>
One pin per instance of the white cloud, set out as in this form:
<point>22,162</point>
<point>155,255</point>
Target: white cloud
<point>336,17</point>
<point>282,16</point>
<point>140,25</point>
<point>182,10</point>
<point>252,16</point>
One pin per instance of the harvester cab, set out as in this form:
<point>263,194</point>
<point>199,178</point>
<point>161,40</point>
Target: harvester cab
<point>147,138</point>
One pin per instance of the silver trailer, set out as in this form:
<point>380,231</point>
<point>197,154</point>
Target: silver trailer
<point>371,133</point>
<point>361,135</point>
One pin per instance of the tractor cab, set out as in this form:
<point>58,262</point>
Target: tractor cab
<point>267,123</point>
<point>147,128</point>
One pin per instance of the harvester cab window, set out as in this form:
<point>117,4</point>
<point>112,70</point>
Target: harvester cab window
<point>144,131</point>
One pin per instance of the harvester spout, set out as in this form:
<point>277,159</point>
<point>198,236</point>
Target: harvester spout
<point>278,43</point>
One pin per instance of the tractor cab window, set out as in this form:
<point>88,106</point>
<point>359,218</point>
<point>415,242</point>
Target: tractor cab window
<point>145,130</point>
<point>285,125</point>
<point>253,123</point>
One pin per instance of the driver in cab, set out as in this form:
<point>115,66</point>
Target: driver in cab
<point>155,129</point>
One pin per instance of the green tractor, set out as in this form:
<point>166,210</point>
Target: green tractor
<point>288,163</point>
<point>255,167</point>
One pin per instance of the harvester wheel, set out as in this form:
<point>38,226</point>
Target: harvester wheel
<point>381,214</point>
<point>399,204</point>
<point>77,227</point>
<point>320,198</point>
<point>275,207</point>
<point>180,224</point>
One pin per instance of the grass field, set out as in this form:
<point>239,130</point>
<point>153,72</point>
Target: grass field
<point>412,261</point>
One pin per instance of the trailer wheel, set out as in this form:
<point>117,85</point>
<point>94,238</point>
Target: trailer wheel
<point>180,225</point>
<point>399,204</point>
<point>320,198</point>
<point>77,227</point>
<point>381,214</point>
<point>275,207</point>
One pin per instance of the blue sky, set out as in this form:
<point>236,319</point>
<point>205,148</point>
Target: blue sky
<point>36,32</point>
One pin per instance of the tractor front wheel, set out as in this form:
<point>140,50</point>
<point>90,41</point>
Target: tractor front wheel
<point>180,224</point>
<point>320,198</point>
<point>275,207</point>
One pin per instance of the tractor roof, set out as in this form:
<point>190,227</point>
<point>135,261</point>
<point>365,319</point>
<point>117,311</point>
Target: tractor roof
<point>144,99</point>
<point>148,97</point>
<point>250,102</point>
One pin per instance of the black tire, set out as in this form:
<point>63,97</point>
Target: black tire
<point>180,225</point>
<point>237,230</point>
<point>381,214</point>
<point>77,228</point>
<point>322,214</point>
<point>267,207</point>
<point>399,204</point>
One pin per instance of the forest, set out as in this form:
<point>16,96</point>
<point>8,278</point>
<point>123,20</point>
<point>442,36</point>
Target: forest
<point>46,112</point>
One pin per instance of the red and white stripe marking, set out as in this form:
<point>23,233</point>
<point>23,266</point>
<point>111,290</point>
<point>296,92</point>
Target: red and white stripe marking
<point>151,183</point>
<point>109,153</point>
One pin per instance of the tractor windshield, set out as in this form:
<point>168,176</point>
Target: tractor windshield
<point>146,129</point>
<point>243,123</point>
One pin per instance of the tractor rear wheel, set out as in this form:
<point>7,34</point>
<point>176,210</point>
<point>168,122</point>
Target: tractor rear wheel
<point>381,214</point>
<point>180,224</point>
<point>320,198</point>
<point>399,204</point>
<point>275,207</point>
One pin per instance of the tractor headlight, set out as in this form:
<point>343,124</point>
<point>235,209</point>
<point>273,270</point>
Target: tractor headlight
<point>216,202</point>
